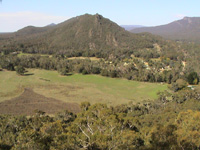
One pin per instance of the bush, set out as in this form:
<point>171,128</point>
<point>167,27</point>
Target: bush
<point>20,70</point>
<point>84,72</point>
<point>193,78</point>
<point>113,74</point>
<point>178,85</point>
<point>104,72</point>
<point>96,70</point>
<point>63,71</point>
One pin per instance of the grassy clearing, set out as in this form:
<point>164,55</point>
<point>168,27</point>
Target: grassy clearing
<point>77,88</point>
<point>27,54</point>
<point>71,58</point>
<point>90,58</point>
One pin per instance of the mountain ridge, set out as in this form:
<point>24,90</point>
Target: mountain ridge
<point>186,29</point>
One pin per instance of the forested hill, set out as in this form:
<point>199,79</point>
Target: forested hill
<point>83,35</point>
<point>186,29</point>
<point>30,30</point>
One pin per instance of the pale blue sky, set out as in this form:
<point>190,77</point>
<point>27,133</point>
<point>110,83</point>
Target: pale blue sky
<point>15,14</point>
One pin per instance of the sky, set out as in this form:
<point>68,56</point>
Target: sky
<point>16,14</point>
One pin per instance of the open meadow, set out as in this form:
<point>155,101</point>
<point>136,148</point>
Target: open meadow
<point>77,88</point>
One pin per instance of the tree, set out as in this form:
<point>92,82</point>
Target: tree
<point>179,85</point>
<point>96,70</point>
<point>163,137</point>
<point>20,70</point>
<point>63,71</point>
<point>188,129</point>
<point>104,72</point>
<point>84,72</point>
<point>193,78</point>
<point>113,74</point>
<point>164,97</point>
<point>85,106</point>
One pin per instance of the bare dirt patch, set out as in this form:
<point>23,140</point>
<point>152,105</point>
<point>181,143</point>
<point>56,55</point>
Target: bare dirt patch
<point>30,101</point>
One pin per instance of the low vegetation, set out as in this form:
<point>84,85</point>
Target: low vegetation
<point>143,126</point>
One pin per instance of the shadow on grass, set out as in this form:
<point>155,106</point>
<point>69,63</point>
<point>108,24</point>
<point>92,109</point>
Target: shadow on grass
<point>69,74</point>
<point>44,79</point>
<point>28,74</point>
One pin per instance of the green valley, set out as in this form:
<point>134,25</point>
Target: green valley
<point>78,88</point>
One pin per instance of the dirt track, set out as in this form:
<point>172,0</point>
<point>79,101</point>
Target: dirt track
<point>29,101</point>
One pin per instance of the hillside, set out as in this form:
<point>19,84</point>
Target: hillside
<point>30,30</point>
<point>13,39</point>
<point>94,32</point>
<point>27,31</point>
<point>186,29</point>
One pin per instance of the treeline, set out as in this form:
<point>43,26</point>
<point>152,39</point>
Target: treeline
<point>143,126</point>
<point>131,69</point>
<point>107,53</point>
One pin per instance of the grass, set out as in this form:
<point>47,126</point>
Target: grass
<point>156,59</point>
<point>27,54</point>
<point>77,88</point>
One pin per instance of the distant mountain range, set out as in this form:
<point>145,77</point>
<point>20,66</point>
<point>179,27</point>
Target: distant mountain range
<point>52,24</point>
<point>186,29</point>
<point>95,29</point>
<point>131,27</point>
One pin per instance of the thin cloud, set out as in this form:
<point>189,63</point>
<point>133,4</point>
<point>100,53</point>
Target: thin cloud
<point>14,21</point>
<point>179,16</point>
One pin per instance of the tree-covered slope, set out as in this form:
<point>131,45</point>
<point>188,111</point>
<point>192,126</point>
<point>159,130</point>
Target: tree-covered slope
<point>94,32</point>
